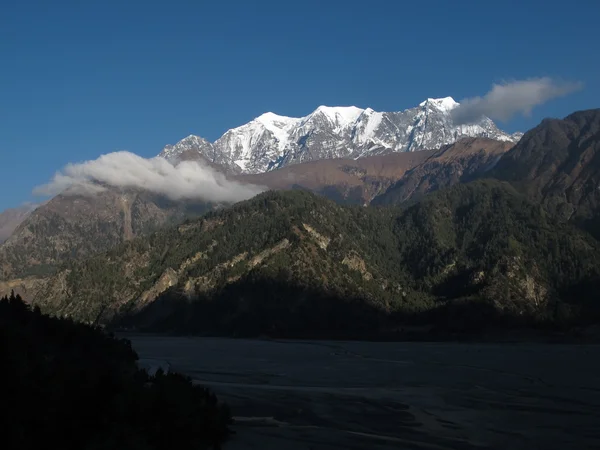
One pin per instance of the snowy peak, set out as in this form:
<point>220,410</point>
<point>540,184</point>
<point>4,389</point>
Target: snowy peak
<point>340,116</point>
<point>192,142</point>
<point>271,119</point>
<point>196,148</point>
<point>367,127</point>
<point>442,104</point>
<point>272,141</point>
<point>278,126</point>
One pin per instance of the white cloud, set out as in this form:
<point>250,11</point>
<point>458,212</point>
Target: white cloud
<point>187,180</point>
<point>504,101</point>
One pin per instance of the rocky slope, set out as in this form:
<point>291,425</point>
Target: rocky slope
<point>450,165</point>
<point>558,164</point>
<point>195,148</point>
<point>345,180</point>
<point>271,141</point>
<point>74,226</point>
<point>291,262</point>
<point>390,178</point>
<point>12,218</point>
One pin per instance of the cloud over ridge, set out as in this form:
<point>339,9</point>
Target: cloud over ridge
<point>506,100</point>
<point>188,180</point>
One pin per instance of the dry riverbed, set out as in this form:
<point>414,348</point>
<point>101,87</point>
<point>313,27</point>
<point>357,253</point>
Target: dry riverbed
<point>363,395</point>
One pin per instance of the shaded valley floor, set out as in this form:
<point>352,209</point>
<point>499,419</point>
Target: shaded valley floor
<point>359,395</point>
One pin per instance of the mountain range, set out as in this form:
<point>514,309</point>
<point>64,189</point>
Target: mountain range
<point>75,226</point>
<point>271,141</point>
<point>290,263</point>
<point>346,153</point>
<point>480,230</point>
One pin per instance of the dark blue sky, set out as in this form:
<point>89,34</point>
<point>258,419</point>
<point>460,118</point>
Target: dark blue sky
<point>78,79</point>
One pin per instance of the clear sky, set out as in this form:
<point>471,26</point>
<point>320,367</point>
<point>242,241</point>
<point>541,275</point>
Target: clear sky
<point>83,78</point>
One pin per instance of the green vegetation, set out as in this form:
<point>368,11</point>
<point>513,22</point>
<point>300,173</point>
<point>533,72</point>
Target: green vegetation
<point>557,165</point>
<point>294,263</point>
<point>70,386</point>
<point>76,227</point>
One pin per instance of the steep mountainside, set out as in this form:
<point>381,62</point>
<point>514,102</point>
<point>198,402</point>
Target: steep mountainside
<point>292,263</point>
<point>452,164</point>
<point>343,180</point>
<point>78,226</point>
<point>558,164</point>
<point>195,148</point>
<point>11,218</point>
<point>272,141</point>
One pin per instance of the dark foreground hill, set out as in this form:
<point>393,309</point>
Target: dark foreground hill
<point>70,386</point>
<point>291,263</point>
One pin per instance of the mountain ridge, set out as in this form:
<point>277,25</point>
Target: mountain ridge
<point>73,226</point>
<point>291,262</point>
<point>455,163</point>
<point>490,246</point>
<point>557,163</point>
<point>271,141</point>
<point>11,218</point>
<point>76,226</point>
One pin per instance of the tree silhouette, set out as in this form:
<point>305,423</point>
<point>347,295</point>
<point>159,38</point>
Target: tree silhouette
<point>71,386</point>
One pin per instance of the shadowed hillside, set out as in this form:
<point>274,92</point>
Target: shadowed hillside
<point>292,260</point>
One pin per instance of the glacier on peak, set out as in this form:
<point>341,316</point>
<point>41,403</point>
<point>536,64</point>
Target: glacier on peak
<point>342,116</point>
<point>270,118</point>
<point>444,103</point>
<point>271,141</point>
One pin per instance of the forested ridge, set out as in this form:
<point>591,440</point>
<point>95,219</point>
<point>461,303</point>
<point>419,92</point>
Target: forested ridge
<point>295,262</point>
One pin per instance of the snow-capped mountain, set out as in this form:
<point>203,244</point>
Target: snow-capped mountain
<point>272,141</point>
